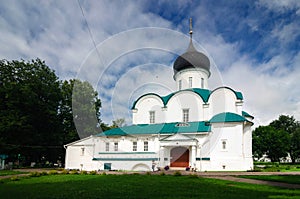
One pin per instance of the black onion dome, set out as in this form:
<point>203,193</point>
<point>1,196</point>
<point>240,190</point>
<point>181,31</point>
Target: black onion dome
<point>191,59</point>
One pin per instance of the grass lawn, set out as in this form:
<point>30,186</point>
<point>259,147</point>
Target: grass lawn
<point>293,179</point>
<point>10,172</point>
<point>271,167</point>
<point>136,186</point>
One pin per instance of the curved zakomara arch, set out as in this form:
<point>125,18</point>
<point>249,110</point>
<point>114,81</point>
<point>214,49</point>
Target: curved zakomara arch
<point>238,95</point>
<point>177,94</point>
<point>167,98</point>
<point>146,95</point>
<point>143,167</point>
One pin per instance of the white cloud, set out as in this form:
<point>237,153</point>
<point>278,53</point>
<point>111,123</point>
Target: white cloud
<point>267,94</point>
<point>56,32</point>
<point>280,5</point>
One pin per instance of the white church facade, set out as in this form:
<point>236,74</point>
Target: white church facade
<point>196,127</point>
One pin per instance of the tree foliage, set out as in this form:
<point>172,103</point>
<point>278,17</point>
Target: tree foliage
<point>292,127</point>
<point>267,140</point>
<point>30,95</point>
<point>280,138</point>
<point>36,113</point>
<point>86,108</point>
<point>120,122</point>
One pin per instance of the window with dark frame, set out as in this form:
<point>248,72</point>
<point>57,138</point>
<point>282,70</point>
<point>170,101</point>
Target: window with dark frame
<point>224,143</point>
<point>134,146</point>
<point>116,146</point>
<point>146,146</point>
<point>185,115</point>
<point>152,117</point>
<point>107,146</point>
<point>179,85</point>
<point>190,82</point>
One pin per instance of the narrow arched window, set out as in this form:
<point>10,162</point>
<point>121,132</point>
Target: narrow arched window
<point>151,117</point>
<point>179,85</point>
<point>202,82</point>
<point>107,146</point>
<point>190,82</point>
<point>185,115</point>
<point>224,144</point>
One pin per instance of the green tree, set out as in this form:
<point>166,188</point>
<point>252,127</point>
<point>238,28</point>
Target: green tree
<point>118,123</point>
<point>291,126</point>
<point>80,105</point>
<point>39,113</point>
<point>270,141</point>
<point>295,145</point>
<point>86,109</point>
<point>29,99</point>
<point>65,113</point>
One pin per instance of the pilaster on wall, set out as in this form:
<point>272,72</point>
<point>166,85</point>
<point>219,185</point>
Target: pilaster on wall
<point>239,107</point>
<point>206,115</point>
<point>193,162</point>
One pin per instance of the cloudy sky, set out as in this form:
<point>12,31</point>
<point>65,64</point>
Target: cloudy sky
<point>127,48</point>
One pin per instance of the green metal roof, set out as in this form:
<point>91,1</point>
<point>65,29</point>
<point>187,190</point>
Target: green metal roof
<point>166,128</point>
<point>227,117</point>
<point>245,114</point>
<point>203,93</point>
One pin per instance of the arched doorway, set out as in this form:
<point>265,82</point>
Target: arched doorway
<point>179,157</point>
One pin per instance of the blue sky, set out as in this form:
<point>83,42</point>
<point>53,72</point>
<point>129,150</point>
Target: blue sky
<point>253,45</point>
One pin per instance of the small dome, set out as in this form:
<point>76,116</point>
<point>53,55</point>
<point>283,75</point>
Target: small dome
<point>191,59</point>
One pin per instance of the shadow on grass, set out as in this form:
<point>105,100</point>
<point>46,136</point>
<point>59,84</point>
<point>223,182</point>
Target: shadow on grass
<point>136,186</point>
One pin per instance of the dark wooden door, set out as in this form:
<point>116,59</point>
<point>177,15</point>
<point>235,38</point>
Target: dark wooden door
<point>179,157</point>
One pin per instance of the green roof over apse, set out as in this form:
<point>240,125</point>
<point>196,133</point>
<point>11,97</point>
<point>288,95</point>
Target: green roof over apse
<point>203,93</point>
<point>227,117</point>
<point>165,128</point>
<point>245,114</point>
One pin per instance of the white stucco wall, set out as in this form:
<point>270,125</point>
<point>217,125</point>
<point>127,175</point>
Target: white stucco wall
<point>184,100</point>
<point>79,155</point>
<point>146,104</point>
<point>222,100</point>
<point>195,74</point>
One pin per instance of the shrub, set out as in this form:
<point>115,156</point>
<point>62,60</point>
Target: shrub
<point>83,172</point>
<point>65,171</point>
<point>43,173</point>
<point>93,172</point>
<point>35,174</point>
<point>177,173</point>
<point>193,176</point>
<point>73,172</point>
<point>255,170</point>
<point>162,174</point>
<point>272,169</point>
<point>14,178</point>
<point>148,173</point>
<point>53,172</point>
<point>166,168</point>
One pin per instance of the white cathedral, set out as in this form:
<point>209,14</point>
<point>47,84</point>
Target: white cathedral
<point>194,127</point>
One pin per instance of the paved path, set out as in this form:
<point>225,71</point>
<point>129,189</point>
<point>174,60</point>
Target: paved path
<point>253,181</point>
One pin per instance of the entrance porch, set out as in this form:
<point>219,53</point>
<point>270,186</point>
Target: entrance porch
<point>178,152</point>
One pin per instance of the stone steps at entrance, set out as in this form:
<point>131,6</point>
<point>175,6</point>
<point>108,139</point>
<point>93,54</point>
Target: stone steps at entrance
<point>177,168</point>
